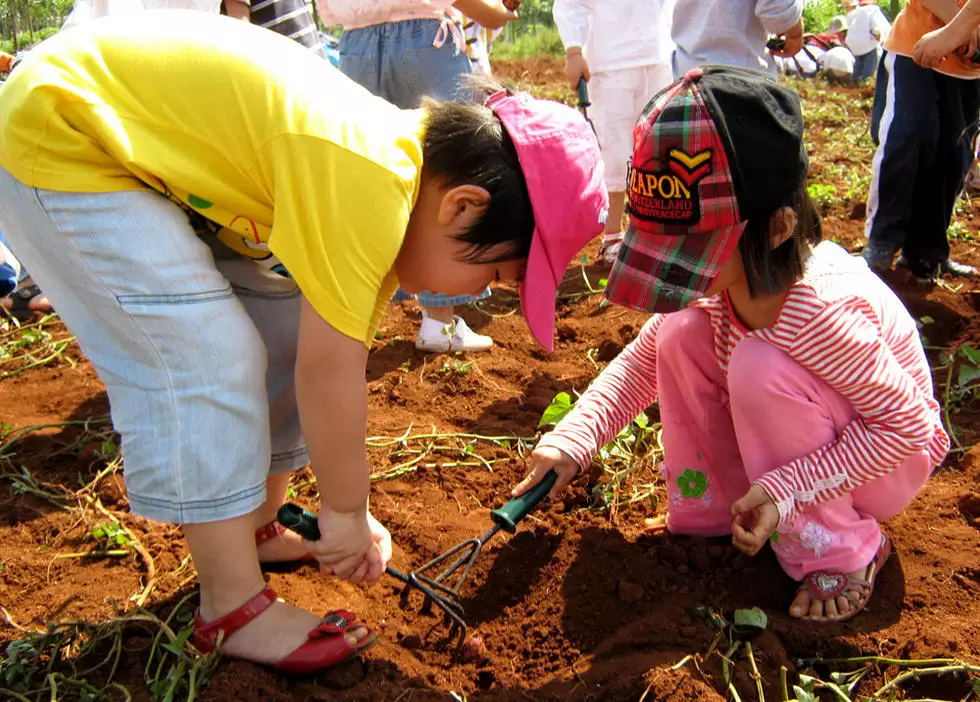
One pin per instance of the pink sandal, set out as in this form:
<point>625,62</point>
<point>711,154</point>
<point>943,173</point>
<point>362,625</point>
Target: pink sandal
<point>325,647</point>
<point>824,585</point>
<point>272,530</point>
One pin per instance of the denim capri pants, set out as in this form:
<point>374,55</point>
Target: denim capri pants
<point>397,61</point>
<point>197,350</point>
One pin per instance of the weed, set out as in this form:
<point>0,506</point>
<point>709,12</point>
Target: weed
<point>27,346</point>
<point>109,534</point>
<point>41,664</point>
<point>636,444</point>
<point>960,232</point>
<point>456,366</point>
<point>822,195</point>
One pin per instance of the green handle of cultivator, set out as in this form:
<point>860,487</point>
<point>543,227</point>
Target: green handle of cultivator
<point>442,589</point>
<point>305,523</point>
<point>583,94</point>
<point>510,515</point>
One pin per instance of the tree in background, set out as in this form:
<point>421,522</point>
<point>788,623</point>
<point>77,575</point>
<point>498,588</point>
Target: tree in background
<point>26,22</point>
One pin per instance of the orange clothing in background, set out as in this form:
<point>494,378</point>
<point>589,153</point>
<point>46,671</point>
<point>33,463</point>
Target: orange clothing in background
<point>5,61</point>
<point>914,21</point>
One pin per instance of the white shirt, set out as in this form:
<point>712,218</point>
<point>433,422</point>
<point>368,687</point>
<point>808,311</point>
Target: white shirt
<point>839,60</point>
<point>863,23</point>
<point>616,34</point>
<point>85,10</point>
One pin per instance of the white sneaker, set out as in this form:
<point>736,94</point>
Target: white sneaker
<point>438,337</point>
<point>609,249</point>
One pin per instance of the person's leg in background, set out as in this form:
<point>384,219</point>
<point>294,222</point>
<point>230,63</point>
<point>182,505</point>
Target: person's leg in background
<point>939,182</point>
<point>904,126</point>
<point>400,62</point>
<point>618,98</point>
<point>865,66</point>
<point>19,296</point>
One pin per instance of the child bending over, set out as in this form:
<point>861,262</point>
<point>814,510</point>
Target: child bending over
<point>795,397</point>
<point>224,376</point>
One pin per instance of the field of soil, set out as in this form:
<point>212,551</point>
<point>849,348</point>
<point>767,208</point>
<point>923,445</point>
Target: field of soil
<point>580,604</point>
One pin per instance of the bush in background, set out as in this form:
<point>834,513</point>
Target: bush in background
<point>27,39</point>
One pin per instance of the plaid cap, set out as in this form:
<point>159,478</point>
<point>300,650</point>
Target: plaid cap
<point>709,150</point>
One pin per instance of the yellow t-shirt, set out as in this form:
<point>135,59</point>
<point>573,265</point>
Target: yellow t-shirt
<point>239,123</point>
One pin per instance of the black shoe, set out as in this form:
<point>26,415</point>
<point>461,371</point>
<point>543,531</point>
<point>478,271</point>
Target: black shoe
<point>957,269</point>
<point>878,257</point>
<point>926,272</point>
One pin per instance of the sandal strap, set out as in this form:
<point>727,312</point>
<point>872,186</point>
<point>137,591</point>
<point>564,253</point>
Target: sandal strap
<point>336,622</point>
<point>268,532</point>
<point>206,633</point>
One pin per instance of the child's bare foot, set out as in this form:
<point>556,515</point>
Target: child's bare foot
<point>836,597</point>
<point>655,525</point>
<point>279,547</point>
<point>806,605</point>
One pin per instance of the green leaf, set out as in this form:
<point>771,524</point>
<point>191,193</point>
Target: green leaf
<point>753,618</point>
<point>709,615</point>
<point>976,686</point>
<point>603,282</point>
<point>584,260</point>
<point>604,303</point>
<point>641,420</point>
<point>972,354</point>
<point>926,319</point>
<point>967,375</point>
<point>556,411</point>
<point>802,695</point>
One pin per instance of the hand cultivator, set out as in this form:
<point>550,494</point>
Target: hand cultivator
<point>438,582</point>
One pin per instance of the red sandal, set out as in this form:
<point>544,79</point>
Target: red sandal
<point>272,530</point>
<point>824,585</point>
<point>326,645</point>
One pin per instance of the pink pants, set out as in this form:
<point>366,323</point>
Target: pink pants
<point>722,433</point>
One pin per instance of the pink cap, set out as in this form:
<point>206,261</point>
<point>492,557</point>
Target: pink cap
<point>559,154</point>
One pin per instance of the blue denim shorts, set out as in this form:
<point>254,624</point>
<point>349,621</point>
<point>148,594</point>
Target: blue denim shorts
<point>397,61</point>
<point>197,350</point>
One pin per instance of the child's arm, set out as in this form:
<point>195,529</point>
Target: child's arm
<point>959,31</point>
<point>572,20</point>
<point>625,388</point>
<point>239,9</point>
<point>784,18</point>
<point>332,395</point>
<point>489,13</point>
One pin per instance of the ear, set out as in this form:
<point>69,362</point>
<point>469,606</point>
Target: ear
<point>782,225</point>
<point>467,201</point>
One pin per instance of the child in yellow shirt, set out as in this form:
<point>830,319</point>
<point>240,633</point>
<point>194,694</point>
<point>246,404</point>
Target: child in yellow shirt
<point>224,376</point>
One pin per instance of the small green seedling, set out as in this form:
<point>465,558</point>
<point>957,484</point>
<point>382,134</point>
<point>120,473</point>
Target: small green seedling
<point>456,366</point>
<point>111,535</point>
<point>556,411</point>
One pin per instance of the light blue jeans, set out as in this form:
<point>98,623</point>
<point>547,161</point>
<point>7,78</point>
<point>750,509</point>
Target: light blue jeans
<point>196,350</point>
<point>397,61</point>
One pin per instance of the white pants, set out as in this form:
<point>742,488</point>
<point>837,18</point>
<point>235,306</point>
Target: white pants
<point>618,97</point>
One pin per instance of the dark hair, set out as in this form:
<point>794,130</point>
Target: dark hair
<point>768,269</point>
<point>466,144</point>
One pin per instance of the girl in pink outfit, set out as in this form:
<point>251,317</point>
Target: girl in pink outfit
<point>795,397</point>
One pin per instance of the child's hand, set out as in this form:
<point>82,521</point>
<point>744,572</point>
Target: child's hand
<point>576,67</point>
<point>793,41</point>
<point>350,546</point>
<point>544,459</point>
<point>934,46</point>
<point>756,518</point>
